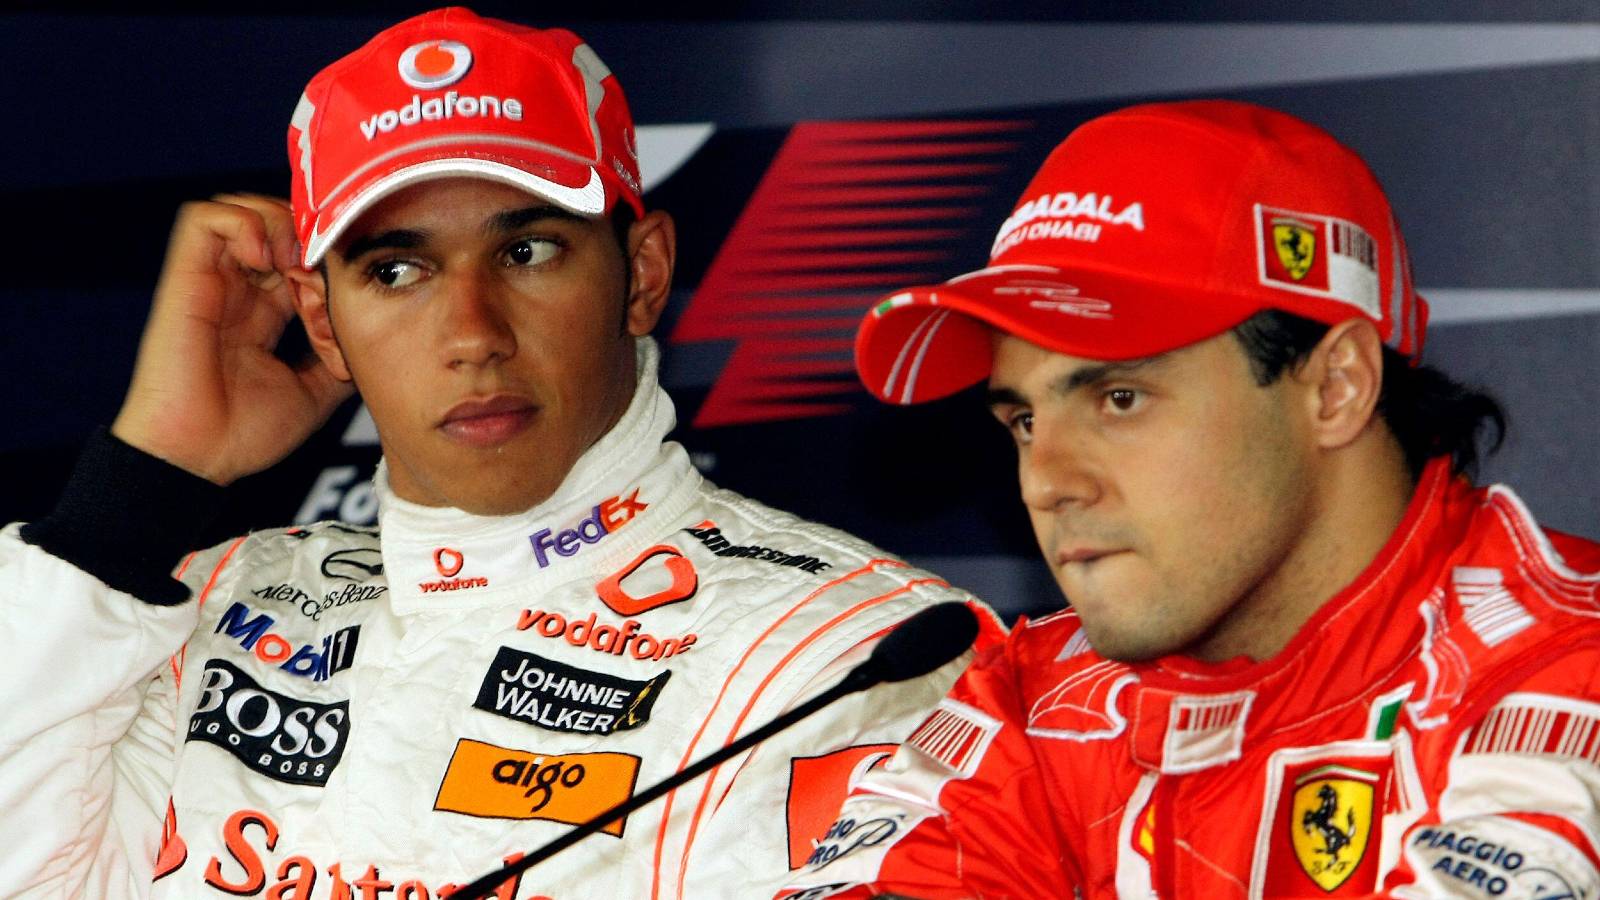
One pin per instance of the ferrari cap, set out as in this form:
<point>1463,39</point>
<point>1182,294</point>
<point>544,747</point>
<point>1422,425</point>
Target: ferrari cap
<point>1152,228</point>
<point>449,93</point>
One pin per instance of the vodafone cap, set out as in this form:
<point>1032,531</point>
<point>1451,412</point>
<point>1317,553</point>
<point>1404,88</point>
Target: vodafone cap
<point>1150,229</point>
<point>450,93</point>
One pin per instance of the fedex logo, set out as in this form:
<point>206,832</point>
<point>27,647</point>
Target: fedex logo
<point>337,652</point>
<point>605,518</point>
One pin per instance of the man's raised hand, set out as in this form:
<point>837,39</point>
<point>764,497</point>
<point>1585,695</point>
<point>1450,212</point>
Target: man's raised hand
<point>208,395</point>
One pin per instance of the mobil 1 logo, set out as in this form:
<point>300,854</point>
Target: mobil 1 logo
<point>281,737</point>
<point>528,688</point>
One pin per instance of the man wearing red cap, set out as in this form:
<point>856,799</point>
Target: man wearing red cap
<point>1304,655</point>
<point>555,610</point>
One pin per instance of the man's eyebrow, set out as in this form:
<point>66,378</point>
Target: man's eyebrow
<point>412,238</point>
<point>1072,381</point>
<point>513,219</point>
<point>395,239</point>
<point>1103,372</point>
<point>1003,396</point>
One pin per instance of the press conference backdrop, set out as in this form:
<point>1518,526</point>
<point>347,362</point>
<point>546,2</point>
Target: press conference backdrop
<point>816,157</point>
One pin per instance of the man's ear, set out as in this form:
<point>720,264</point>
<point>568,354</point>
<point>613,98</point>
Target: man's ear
<point>311,304</point>
<point>652,254</point>
<point>1344,378</point>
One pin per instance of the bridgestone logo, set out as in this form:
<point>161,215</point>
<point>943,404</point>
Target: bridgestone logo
<point>283,738</point>
<point>528,688</point>
<point>709,534</point>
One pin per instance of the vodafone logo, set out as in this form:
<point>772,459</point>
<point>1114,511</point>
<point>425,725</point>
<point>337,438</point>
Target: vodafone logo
<point>431,65</point>
<point>448,561</point>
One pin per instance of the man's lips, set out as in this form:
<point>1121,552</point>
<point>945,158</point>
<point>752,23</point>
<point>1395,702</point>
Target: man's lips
<point>1070,555</point>
<point>488,421</point>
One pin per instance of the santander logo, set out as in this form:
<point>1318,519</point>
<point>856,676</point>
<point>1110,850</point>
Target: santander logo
<point>448,563</point>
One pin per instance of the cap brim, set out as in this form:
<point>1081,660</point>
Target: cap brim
<point>931,341</point>
<point>573,186</point>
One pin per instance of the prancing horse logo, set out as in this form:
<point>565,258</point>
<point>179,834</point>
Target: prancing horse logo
<point>1296,243</point>
<point>1321,818</point>
<point>1331,823</point>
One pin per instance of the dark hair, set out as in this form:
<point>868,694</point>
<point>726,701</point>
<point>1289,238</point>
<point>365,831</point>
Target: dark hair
<point>1429,413</point>
<point>622,219</point>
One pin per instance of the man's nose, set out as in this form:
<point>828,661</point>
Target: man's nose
<point>475,327</point>
<point>1056,469</point>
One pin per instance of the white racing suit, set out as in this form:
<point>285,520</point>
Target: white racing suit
<point>384,713</point>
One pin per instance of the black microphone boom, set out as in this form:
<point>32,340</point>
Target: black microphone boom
<point>916,647</point>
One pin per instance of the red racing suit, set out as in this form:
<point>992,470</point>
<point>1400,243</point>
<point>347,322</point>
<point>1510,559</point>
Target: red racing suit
<point>1433,731</point>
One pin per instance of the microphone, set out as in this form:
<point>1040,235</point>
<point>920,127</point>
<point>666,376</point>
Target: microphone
<point>919,645</point>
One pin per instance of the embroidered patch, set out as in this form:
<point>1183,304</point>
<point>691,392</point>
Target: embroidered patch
<point>1488,608</point>
<point>817,788</point>
<point>1539,723</point>
<point>1488,856</point>
<point>1205,731</point>
<point>1321,833</point>
<point>1083,707</point>
<point>496,782</point>
<point>1446,665</point>
<point>1323,256</point>
<point>1385,713</point>
<point>956,735</point>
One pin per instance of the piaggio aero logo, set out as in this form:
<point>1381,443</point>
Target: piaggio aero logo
<point>431,65</point>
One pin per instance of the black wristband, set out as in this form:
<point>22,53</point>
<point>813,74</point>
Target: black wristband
<point>126,517</point>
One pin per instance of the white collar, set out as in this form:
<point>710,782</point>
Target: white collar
<point>626,490</point>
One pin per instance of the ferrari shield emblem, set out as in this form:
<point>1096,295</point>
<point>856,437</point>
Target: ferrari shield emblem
<point>1296,243</point>
<point>1330,822</point>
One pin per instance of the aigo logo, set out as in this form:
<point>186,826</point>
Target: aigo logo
<point>431,65</point>
<point>489,781</point>
<point>448,561</point>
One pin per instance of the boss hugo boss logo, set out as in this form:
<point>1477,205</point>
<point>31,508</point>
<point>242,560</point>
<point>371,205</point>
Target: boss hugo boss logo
<point>528,688</point>
<point>496,782</point>
<point>283,738</point>
<point>336,652</point>
<point>448,562</point>
<point>604,519</point>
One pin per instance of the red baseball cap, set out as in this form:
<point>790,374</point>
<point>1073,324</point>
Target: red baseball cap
<point>449,94</point>
<point>1152,228</point>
